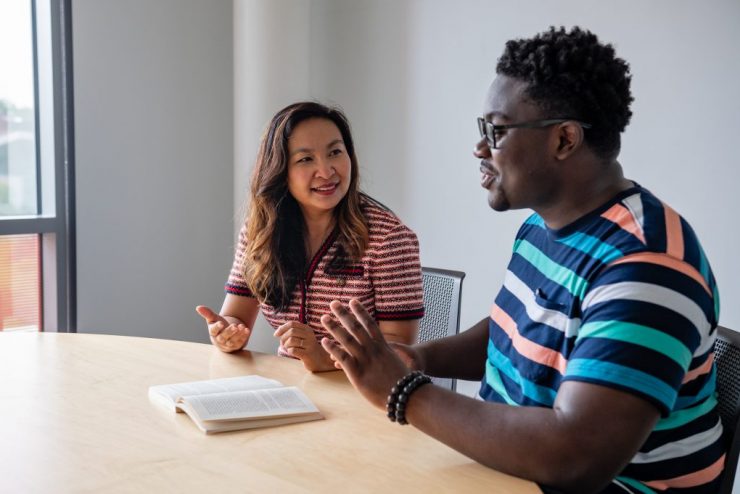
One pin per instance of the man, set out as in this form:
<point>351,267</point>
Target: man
<point>596,360</point>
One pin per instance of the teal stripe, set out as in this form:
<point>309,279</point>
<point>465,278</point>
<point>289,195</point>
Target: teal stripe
<point>636,484</point>
<point>638,334</point>
<point>535,220</point>
<point>715,292</point>
<point>608,372</point>
<point>703,263</point>
<point>593,247</point>
<point>552,270</point>
<point>540,394</point>
<point>493,379</point>
<point>683,417</point>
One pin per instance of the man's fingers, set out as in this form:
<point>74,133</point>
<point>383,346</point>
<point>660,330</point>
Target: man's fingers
<point>364,318</point>
<point>341,335</point>
<point>350,322</point>
<point>342,359</point>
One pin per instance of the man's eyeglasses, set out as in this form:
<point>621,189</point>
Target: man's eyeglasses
<point>489,131</point>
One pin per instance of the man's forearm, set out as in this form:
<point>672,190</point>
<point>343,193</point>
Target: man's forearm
<point>462,356</point>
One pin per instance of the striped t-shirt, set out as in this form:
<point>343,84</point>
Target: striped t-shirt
<point>623,297</point>
<point>387,280</point>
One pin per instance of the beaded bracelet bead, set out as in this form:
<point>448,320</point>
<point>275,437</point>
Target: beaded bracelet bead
<point>400,393</point>
<point>403,397</point>
<point>395,391</point>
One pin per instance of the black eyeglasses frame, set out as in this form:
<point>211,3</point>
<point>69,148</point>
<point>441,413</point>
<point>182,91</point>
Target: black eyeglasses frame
<point>488,130</point>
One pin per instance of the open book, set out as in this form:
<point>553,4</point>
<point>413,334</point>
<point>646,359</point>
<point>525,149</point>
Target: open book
<point>234,403</point>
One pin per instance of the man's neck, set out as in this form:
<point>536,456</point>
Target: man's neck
<point>580,197</point>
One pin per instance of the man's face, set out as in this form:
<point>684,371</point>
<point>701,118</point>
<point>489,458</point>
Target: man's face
<point>520,173</point>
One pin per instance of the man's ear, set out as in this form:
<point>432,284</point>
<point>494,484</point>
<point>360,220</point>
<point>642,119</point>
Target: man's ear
<point>569,138</point>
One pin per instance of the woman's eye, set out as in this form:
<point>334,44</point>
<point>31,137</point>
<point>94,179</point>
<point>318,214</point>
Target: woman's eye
<point>335,152</point>
<point>305,159</point>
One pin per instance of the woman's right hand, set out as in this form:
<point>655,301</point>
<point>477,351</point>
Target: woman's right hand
<point>228,337</point>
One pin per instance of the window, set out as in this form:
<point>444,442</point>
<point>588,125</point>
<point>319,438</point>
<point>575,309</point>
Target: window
<point>36,167</point>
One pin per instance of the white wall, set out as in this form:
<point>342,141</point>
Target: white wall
<point>159,200</point>
<point>153,87</point>
<point>412,77</point>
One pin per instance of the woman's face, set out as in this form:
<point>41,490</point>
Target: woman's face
<point>319,168</point>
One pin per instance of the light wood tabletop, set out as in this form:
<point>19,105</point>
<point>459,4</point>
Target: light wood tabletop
<point>75,417</point>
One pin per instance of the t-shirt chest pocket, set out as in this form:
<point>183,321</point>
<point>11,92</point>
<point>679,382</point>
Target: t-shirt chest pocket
<point>547,324</point>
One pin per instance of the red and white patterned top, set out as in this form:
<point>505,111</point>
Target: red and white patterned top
<point>387,280</point>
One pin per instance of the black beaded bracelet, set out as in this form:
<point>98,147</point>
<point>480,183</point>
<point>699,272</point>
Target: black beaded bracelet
<point>395,391</point>
<point>400,393</point>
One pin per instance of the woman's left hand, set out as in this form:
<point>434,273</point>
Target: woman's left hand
<point>299,341</point>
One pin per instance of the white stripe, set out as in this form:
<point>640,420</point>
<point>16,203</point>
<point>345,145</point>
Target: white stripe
<point>634,204</point>
<point>619,484</point>
<point>536,312</point>
<point>658,295</point>
<point>684,447</point>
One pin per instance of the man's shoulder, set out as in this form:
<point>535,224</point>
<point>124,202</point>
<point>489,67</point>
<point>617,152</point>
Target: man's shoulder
<point>641,222</point>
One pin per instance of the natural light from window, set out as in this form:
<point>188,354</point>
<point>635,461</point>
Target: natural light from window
<point>20,260</point>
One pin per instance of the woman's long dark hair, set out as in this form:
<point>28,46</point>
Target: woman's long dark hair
<point>275,257</point>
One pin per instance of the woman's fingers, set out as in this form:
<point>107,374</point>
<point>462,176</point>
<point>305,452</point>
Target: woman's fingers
<point>207,314</point>
<point>233,337</point>
<point>216,329</point>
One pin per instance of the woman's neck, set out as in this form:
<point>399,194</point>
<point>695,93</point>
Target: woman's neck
<point>317,229</point>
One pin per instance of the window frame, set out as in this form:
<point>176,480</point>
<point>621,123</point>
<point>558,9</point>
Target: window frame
<point>57,230</point>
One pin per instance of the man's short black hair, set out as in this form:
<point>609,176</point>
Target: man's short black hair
<point>571,74</point>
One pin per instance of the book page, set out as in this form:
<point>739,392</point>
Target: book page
<point>246,404</point>
<point>173,392</point>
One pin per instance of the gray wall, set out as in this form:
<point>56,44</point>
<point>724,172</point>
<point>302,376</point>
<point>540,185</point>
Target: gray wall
<point>154,170</point>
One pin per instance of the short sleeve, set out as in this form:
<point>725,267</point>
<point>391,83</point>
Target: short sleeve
<point>396,276</point>
<point>236,284</point>
<point>644,325</point>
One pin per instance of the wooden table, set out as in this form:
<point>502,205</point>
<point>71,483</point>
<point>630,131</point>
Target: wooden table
<point>75,417</point>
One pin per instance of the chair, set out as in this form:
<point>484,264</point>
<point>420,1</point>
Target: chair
<point>727,358</point>
<point>442,293</point>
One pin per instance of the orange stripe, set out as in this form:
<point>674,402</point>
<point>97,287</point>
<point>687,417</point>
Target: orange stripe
<point>668,262</point>
<point>621,216</point>
<point>692,479</point>
<point>527,348</point>
<point>703,369</point>
<point>673,232</point>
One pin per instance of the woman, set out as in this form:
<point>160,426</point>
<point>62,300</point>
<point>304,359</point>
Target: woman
<point>311,237</point>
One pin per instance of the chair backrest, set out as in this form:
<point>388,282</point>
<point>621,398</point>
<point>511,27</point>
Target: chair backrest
<point>442,293</point>
<point>727,358</point>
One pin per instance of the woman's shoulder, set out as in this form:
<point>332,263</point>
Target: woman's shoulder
<point>380,218</point>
